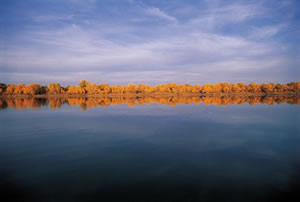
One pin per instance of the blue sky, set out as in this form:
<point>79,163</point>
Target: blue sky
<point>149,41</point>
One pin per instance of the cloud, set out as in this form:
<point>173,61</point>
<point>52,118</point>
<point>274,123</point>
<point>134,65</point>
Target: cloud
<point>82,5</point>
<point>44,18</point>
<point>217,16</point>
<point>236,12</point>
<point>76,49</point>
<point>156,12</point>
<point>266,31</point>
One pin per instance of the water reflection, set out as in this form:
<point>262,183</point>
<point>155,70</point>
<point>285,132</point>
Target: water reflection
<point>88,102</point>
<point>152,152</point>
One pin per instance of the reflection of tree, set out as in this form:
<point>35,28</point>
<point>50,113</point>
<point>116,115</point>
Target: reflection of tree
<point>87,102</point>
<point>3,104</point>
<point>83,106</point>
<point>22,103</point>
<point>56,102</point>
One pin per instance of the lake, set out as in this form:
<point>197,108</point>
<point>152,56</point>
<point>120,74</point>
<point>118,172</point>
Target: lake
<point>150,149</point>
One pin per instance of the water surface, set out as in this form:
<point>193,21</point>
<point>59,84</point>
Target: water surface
<point>79,150</point>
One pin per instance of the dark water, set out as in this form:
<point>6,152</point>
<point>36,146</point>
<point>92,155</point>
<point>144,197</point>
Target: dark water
<point>154,152</point>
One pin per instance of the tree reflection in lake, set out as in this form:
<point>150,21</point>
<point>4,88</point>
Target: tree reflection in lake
<point>87,102</point>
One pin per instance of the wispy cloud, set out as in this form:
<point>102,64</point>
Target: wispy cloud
<point>156,12</point>
<point>216,16</point>
<point>266,31</point>
<point>82,5</point>
<point>45,18</point>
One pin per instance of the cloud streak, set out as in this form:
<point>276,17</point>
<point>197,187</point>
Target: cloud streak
<point>156,12</point>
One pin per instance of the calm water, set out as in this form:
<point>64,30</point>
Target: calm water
<point>153,152</point>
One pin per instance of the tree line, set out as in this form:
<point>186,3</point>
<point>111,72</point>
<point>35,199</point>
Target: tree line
<point>85,87</point>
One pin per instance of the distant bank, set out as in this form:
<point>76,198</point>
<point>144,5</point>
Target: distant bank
<point>87,89</point>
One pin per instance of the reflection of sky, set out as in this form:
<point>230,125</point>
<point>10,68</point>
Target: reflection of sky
<point>152,146</point>
<point>149,41</point>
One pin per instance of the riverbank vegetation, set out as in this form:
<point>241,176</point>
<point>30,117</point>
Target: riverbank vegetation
<point>87,88</point>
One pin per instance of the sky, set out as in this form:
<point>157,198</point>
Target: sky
<point>149,41</point>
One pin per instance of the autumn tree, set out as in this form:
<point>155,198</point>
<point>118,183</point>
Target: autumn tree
<point>173,87</point>
<point>32,89</point>
<point>10,89</point>
<point>241,87</point>
<point>19,89</point>
<point>140,88</point>
<point>217,88</point>
<point>225,87</point>
<point>196,88</point>
<point>3,87</point>
<point>104,89</point>
<point>75,90</point>
<point>91,88</point>
<point>233,88</point>
<point>83,83</point>
<point>55,88</point>
<point>293,86</point>
<point>297,86</point>
<point>207,88</point>
<point>267,88</point>
<point>132,88</point>
<point>254,88</point>
<point>148,89</point>
<point>43,89</point>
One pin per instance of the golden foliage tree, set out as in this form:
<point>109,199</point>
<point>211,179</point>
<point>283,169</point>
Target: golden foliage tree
<point>84,87</point>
